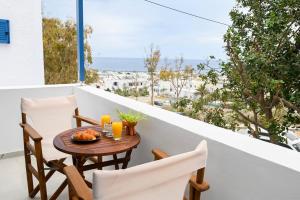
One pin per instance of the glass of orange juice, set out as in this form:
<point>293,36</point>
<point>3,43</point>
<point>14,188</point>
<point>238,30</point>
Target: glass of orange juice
<point>117,130</point>
<point>105,119</point>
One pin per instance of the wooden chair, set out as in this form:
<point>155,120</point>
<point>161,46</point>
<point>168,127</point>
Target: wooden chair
<point>42,120</point>
<point>196,182</point>
<point>165,178</point>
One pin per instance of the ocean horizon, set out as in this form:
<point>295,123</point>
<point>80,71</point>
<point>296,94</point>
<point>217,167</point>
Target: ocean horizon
<point>137,64</point>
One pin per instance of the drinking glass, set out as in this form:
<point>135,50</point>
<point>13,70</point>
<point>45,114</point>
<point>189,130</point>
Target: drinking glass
<point>117,130</point>
<point>105,119</point>
<point>107,129</point>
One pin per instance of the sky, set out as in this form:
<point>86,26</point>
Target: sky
<point>127,28</point>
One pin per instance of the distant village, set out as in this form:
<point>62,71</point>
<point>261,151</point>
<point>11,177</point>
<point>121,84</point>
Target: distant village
<point>139,81</point>
<point>125,83</point>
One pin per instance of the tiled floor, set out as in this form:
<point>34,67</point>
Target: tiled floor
<point>13,180</point>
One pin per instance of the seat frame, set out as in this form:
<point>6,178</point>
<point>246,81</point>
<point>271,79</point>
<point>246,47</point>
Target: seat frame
<point>29,133</point>
<point>78,189</point>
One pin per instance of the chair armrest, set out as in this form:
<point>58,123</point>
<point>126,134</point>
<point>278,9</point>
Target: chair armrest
<point>77,185</point>
<point>159,154</point>
<point>33,134</point>
<point>87,120</point>
<point>201,187</point>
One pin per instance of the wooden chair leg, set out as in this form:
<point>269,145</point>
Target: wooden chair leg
<point>41,172</point>
<point>70,192</point>
<point>197,195</point>
<point>192,193</point>
<point>37,188</point>
<point>28,162</point>
<point>59,190</point>
<point>27,158</point>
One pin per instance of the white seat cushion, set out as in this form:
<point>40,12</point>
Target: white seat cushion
<point>51,153</point>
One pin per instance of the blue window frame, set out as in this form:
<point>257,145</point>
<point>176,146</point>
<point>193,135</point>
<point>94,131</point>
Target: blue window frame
<point>4,31</point>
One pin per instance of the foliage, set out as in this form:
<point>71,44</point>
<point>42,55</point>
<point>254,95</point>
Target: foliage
<point>263,70</point>
<point>182,104</point>
<point>135,92</point>
<point>122,92</point>
<point>178,77</point>
<point>91,76</point>
<point>131,117</point>
<point>211,103</point>
<point>261,78</point>
<point>143,92</point>
<point>126,92</point>
<point>151,62</point>
<point>60,50</point>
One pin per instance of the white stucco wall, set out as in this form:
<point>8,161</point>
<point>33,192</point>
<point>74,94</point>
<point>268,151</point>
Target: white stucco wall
<point>21,61</point>
<point>10,115</point>
<point>238,167</point>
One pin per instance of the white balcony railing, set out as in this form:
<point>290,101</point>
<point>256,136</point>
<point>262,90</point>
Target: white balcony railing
<point>239,167</point>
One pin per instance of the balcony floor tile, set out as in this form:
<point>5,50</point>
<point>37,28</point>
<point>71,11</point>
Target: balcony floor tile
<point>13,180</point>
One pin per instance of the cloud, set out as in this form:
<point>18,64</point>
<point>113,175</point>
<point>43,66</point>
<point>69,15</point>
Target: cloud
<point>124,28</point>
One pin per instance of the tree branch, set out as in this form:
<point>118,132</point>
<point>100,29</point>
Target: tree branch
<point>284,34</point>
<point>289,104</point>
<point>250,120</point>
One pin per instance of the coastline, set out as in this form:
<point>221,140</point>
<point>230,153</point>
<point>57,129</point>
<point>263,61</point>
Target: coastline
<point>116,64</point>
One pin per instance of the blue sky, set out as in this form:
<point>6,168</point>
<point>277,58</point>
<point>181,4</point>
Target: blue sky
<point>126,28</point>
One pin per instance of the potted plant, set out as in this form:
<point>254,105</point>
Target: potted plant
<point>130,120</point>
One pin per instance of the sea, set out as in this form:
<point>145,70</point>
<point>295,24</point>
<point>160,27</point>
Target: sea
<point>137,64</point>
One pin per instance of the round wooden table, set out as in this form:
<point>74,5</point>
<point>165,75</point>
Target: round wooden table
<point>94,151</point>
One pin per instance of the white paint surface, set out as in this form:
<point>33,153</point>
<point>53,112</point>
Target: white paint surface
<point>10,112</point>
<point>238,168</point>
<point>21,61</point>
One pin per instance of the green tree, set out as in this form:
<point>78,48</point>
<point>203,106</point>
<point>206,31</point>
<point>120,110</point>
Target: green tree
<point>91,76</point>
<point>263,70</point>
<point>123,92</point>
<point>151,62</point>
<point>181,104</point>
<point>211,104</point>
<point>143,91</point>
<point>178,77</point>
<point>60,50</point>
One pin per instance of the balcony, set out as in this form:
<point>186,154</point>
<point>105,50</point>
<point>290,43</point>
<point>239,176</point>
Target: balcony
<point>238,168</point>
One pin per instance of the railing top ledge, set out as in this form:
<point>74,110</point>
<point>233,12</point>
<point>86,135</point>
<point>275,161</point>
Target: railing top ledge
<point>263,150</point>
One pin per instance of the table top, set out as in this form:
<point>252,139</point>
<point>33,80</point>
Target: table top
<point>102,147</point>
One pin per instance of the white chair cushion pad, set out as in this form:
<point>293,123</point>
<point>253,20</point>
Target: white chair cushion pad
<point>51,153</point>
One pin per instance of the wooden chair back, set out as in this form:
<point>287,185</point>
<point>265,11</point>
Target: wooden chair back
<point>49,116</point>
<point>162,179</point>
<point>196,182</point>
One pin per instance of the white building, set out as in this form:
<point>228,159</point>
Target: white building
<point>120,80</point>
<point>21,61</point>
